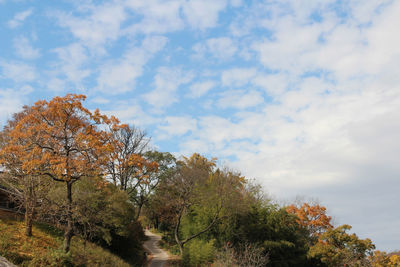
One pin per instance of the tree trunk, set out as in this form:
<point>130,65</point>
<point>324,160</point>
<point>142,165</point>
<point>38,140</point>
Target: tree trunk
<point>180,242</point>
<point>139,209</point>
<point>28,219</point>
<point>69,230</point>
<point>29,208</point>
<point>176,232</point>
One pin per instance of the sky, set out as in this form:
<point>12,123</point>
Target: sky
<point>302,96</point>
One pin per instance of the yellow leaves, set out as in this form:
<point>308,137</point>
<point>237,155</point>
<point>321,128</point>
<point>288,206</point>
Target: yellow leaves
<point>383,259</point>
<point>394,260</point>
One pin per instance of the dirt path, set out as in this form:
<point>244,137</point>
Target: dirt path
<point>160,257</point>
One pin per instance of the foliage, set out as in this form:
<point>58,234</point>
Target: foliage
<point>62,140</point>
<point>198,253</point>
<point>152,177</point>
<point>102,214</point>
<point>336,247</point>
<point>274,230</point>
<point>91,176</point>
<point>313,218</point>
<point>384,259</point>
<point>24,186</point>
<point>196,187</point>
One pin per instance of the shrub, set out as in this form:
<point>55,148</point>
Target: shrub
<point>198,253</point>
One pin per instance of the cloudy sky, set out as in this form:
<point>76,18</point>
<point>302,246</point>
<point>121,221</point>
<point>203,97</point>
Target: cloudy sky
<point>303,96</point>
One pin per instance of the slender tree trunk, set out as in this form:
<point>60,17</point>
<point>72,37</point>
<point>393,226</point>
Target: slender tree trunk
<point>69,230</point>
<point>28,210</point>
<point>139,209</point>
<point>28,219</point>
<point>180,242</point>
<point>176,232</point>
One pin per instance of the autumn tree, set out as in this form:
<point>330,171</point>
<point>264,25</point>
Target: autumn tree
<point>23,184</point>
<point>312,217</point>
<point>336,247</point>
<point>69,144</point>
<point>384,259</point>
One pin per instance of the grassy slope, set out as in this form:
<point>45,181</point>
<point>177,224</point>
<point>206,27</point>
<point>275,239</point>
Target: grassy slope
<point>45,247</point>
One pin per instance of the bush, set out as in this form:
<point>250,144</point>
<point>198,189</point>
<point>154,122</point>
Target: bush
<point>128,245</point>
<point>198,253</point>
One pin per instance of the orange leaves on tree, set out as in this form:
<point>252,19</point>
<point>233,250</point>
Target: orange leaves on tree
<point>63,140</point>
<point>313,218</point>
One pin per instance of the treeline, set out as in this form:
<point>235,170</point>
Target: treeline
<point>94,177</point>
<point>214,216</point>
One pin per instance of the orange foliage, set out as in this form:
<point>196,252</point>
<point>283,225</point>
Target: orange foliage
<point>60,138</point>
<point>313,218</point>
<point>63,140</point>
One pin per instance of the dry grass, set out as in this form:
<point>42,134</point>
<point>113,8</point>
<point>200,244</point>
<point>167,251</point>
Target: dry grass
<point>44,247</point>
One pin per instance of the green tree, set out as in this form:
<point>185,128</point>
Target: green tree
<point>197,185</point>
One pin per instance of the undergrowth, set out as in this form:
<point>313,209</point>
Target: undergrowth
<point>44,248</point>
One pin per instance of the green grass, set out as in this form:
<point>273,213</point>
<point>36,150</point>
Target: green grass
<point>44,248</point>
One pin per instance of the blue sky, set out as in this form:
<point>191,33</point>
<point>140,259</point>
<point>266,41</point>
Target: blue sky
<point>303,96</point>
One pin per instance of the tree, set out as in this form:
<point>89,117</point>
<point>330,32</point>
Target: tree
<point>69,144</point>
<point>383,259</point>
<point>25,186</point>
<point>126,162</point>
<point>336,247</point>
<point>274,230</point>
<point>313,218</point>
<point>197,185</point>
<point>152,177</point>
<point>127,166</point>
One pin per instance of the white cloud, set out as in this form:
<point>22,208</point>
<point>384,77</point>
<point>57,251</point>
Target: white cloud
<point>238,76</point>
<point>71,67</point>
<point>159,16</point>
<point>166,82</point>
<point>201,88</point>
<point>56,84</point>
<point>17,71</point>
<point>130,112</point>
<point>11,101</point>
<point>120,75</point>
<point>221,48</point>
<point>240,99</point>
<point>19,18</point>
<point>101,25</point>
<point>177,126</point>
<point>236,3</point>
<point>273,84</point>
<point>203,14</point>
<point>24,49</point>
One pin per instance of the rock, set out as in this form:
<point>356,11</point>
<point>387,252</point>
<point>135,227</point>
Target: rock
<point>5,263</point>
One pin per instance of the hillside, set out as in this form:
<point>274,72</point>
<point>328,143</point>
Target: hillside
<point>45,247</point>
